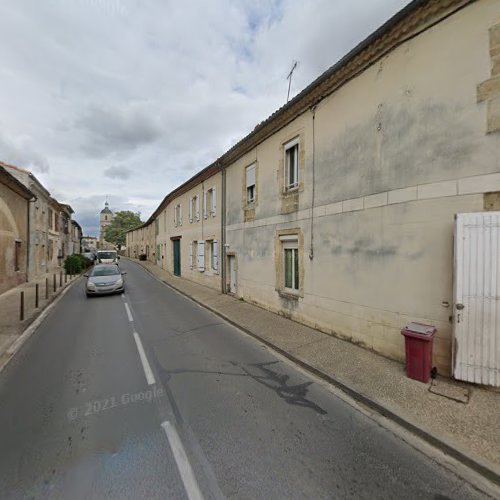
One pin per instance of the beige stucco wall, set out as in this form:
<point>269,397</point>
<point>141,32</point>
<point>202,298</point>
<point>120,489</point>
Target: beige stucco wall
<point>398,151</point>
<point>13,227</point>
<point>205,229</point>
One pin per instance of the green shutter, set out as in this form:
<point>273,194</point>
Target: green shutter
<point>288,267</point>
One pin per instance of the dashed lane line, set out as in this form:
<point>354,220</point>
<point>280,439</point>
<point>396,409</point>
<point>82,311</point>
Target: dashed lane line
<point>145,363</point>
<point>129,314</point>
<point>185,470</point>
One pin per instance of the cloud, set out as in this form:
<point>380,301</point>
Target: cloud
<point>117,172</point>
<point>108,130</point>
<point>19,151</point>
<point>161,87</point>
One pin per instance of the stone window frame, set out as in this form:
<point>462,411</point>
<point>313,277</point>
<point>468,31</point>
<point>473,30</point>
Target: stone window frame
<point>178,214</point>
<point>249,207</point>
<point>291,244</point>
<point>250,203</point>
<point>287,167</point>
<point>282,236</point>
<point>290,197</point>
<point>194,209</point>
<point>489,90</point>
<point>210,202</point>
<point>211,255</point>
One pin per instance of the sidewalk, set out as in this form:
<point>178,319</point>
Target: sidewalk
<point>11,326</point>
<point>463,420</point>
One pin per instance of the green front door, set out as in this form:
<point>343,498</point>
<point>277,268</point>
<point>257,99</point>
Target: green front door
<point>177,257</point>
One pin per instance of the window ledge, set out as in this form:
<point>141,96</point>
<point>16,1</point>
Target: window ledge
<point>289,294</point>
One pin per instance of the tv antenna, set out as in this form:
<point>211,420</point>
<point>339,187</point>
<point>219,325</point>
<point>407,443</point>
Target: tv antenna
<point>289,78</point>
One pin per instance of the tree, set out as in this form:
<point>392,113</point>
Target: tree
<point>122,222</point>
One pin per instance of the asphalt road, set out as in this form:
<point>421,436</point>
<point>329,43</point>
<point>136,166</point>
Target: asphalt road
<point>148,395</point>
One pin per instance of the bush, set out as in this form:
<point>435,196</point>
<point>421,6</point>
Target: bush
<point>73,264</point>
<point>86,262</point>
<point>142,256</point>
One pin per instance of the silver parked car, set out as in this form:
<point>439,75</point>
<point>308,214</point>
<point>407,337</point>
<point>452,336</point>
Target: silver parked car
<point>103,279</point>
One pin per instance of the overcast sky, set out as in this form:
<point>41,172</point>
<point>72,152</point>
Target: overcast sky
<point>129,98</point>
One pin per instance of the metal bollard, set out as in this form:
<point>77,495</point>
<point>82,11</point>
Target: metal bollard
<point>55,282</point>
<point>36,296</point>
<point>46,288</point>
<point>21,312</point>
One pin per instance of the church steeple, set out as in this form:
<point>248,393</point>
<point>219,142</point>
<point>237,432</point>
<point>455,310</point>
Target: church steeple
<point>106,209</point>
<point>105,218</point>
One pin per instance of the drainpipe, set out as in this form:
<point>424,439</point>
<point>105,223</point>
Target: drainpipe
<point>201,204</point>
<point>223,231</point>
<point>29,243</point>
<point>311,248</point>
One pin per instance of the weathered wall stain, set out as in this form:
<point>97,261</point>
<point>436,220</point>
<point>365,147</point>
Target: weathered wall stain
<point>398,147</point>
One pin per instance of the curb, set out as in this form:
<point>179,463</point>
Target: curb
<point>32,327</point>
<point>478,465</point>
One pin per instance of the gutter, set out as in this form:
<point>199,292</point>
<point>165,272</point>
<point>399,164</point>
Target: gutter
<point>223,231</point>
<point>29,243</point>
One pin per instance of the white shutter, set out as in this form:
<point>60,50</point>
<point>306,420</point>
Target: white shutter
<point>204,204</point>
<point>197,199</point>
<point>214,202</point>
<point>175,215</point>
<point>215,256</point>
<point>180,214</point>
<point>190,209</point>
<point>250,176</point>
<point>201,256</point>
<point>190,255</point>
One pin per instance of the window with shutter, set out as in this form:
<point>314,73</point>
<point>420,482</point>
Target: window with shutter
<point>180,214</point>
<point>291,165</point>
<point>190,209</point>
<point>250,183</point>
<point>201,256</point>
<point>190,255</point>
<point>214,202</point>
<point>197,207</point>
<point>204,204</point>
<point>215,257</point>
<point>290,248</point>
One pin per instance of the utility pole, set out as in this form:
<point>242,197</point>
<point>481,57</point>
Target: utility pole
<point>289,78</point>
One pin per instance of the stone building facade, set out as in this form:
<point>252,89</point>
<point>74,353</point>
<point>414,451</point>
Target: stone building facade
<point>15,201</point>
<point>338,210</point>
<point>50,224</point>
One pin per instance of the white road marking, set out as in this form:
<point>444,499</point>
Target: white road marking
<point>190,484</point>
<point>145,363</point>
<point>129,314</point>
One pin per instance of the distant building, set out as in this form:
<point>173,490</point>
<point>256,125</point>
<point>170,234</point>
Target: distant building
<point>50,239</point>
<point>76,238</point>
<point>105,219</point>
<point>89,244</point>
